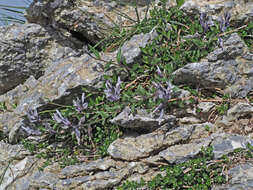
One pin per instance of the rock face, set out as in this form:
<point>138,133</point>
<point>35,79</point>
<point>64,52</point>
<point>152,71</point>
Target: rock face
<point>88,21</point>
<point>47,63</point>
<point>241,10</point>
<point>241,178</point>
<point>228,68</point>
<point>27,50</point>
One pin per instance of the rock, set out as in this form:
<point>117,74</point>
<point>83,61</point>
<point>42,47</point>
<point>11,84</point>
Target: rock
<point>61,82</point>
<point>189,120</point>
<point>241,10</point>
<point>201,131</point>
<point>141,120</point>
<point>134,148</point>
<point>86,169</point>
<point>224,144</point>
<point>15,162</point>
<point>241,178</point>
<point>87,21</point>
<point>55,67</point>
<point>204,109</point>
<point>183,152</point>
<point>227,69</point>
<point>131,49</point>
<point>26,50</point>
<point>239,119</point>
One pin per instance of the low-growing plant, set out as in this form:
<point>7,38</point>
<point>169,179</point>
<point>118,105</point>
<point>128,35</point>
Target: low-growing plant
<point>197,173</point>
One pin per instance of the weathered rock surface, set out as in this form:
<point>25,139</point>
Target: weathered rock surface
<point>141,120</point>
<point>183,152</point>
<point>225,144</point>
<point>239,119</point>
<point>26,50</point>
<point>242,11</point>
<point>131,148</point>
<point>88,21</point>
<point>131,49</point>
<point>228,68</point>
<point>241,178</point>
<point>62,82</point>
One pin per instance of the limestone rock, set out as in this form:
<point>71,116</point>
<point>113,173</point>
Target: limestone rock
<point>134,148</point>
<point>241,178</point>
<point>61,82</point>
<point>131,49</point>
<point>87,21</point>
<point>242,11</point>
<point>224,144</point>
<point>26,50</point>
<point>141,120</point>
<point>239,119</point>
<point>181,153</point>
<point>226,68</point>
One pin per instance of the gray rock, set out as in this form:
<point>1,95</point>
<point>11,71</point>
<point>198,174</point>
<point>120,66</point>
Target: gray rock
<point>131,49</point>
<point>134,148</point>
<point>86,169</point>
<point>241,178</point>
<point>239,110</point>
<point>205,107</point>
<point>237,119</point>
<point>86,21</point>
<point>62,82</point>
<point>225,144</point>
<point>181,153</point>
<point>227,69</point>
<point>141,120</point>
<point>27,50</point>
<point>189,120</point>
<point>15,162</point>
<point>241,10</point>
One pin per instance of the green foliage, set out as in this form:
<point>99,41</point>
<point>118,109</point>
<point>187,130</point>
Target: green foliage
<point>180,3</point>
<point>193,174</point>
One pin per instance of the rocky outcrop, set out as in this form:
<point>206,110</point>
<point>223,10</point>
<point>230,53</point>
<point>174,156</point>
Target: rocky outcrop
<point>228,68</point>
<point>241,10</point>
<point>87,21</point>
<point>50,65</point>
<point>26,51</point>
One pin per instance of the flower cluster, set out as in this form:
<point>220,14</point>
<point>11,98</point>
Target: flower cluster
<point>162,93</point>
<point>224,21</point>
<point>205,21</point>
<point>112,93</point>
<point>66,124</point>
<point>80,105</point>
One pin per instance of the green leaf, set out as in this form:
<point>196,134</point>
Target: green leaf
<point>94,51</point>
<point>180,3</point>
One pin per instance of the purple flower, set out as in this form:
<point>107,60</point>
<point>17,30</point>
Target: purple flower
<point>224,21</point>
<point>66,124</point>
<point>29,131</point>
<point>159,72</point>
<point>61,120</point>
<point>204,22</point>
<point>80,105</point>
<point>112,93</point>
<point>161,92</point>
